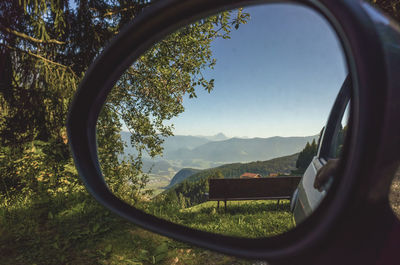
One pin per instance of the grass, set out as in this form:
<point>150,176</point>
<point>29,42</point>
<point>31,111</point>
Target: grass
<point>251,219</point>
<point>77,230</point>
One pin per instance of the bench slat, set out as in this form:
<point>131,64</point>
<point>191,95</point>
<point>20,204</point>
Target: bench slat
<point>254,198</point>
<point>253,189</point>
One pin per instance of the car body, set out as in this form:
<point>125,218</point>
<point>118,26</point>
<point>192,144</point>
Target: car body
<point>306,197</point>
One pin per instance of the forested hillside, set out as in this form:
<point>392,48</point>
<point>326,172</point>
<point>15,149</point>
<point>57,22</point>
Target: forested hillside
<point>182,174</point>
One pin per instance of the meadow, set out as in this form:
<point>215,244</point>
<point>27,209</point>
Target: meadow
<point>75,229</point>
<point>251,219</point>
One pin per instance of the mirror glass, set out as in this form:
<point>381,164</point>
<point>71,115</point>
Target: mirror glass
<point>224,124</point>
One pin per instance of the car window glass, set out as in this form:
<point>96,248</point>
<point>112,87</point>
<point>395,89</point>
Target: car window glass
<point>320,137</point>
<point>340,134</point>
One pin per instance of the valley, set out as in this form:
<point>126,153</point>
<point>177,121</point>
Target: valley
<point>185,155</point>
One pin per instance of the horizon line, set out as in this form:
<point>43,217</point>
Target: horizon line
<point>237,137</point>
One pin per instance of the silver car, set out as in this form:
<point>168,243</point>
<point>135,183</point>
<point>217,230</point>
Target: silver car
<point>307,196</point>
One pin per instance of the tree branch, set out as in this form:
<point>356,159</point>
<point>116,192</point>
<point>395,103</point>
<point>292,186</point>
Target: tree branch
<point>111,12</point>
<point>27,37</point>
<point>39,57</point>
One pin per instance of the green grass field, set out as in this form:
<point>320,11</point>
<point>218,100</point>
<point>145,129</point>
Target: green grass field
<point>77,230</point>
<point>242,218</point>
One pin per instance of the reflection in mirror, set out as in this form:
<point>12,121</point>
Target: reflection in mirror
<point>218,125</point>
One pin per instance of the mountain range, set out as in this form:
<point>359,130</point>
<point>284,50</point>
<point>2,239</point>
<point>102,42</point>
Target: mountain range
<point>201,152</point>
<point>241,150</point>
<point>176,142</point>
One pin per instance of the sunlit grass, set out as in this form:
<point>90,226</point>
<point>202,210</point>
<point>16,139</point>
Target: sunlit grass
<point>251,219</point>
<point>77,230</point>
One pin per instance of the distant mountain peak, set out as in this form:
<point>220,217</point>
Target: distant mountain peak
<point>217,137</point>
<point>221,136</point>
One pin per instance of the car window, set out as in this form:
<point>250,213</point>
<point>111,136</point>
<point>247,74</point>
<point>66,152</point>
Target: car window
<point>321,133</point>
<point>336,146</point>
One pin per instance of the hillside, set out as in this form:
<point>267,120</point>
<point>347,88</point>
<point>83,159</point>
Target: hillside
<point>182,175</point>
<point>242,150</point>
<point>281,164</point>
<point>190,191</point>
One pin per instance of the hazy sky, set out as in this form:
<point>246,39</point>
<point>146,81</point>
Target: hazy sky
<point>277,75</point>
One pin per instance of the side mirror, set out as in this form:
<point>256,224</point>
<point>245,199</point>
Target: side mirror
<point>354,222</point>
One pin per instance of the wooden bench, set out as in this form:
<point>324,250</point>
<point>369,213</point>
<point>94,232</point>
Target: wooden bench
<point>276,188</point>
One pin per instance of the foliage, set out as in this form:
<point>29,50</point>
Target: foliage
<point>42,169</point>
<point>391,7</point>
<point>306,156</point>
<point>38,81</point>
<point>192,192</point>
<point>46,217</point>
<point>45,48</point>
<point>394,195</point>
<point>217,175</point>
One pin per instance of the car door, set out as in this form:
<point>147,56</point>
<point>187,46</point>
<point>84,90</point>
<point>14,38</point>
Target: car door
<point>306,198</point>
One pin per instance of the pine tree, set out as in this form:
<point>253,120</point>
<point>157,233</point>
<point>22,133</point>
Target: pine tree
<point>306,155</point>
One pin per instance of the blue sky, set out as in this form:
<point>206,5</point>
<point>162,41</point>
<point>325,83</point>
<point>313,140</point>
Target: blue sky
<point>278,75</point>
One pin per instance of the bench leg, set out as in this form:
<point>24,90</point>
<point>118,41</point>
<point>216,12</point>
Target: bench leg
<point>218,205</point>
<point>225,205</point>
